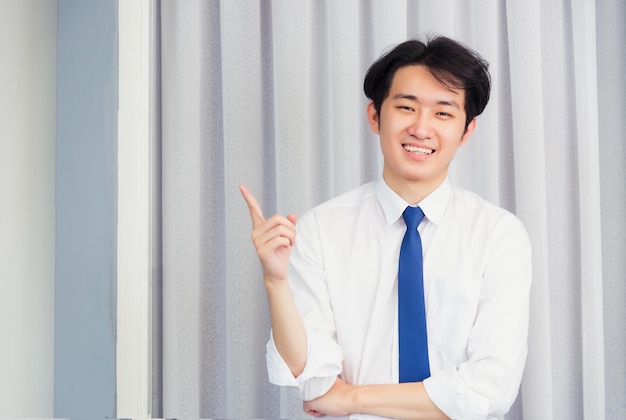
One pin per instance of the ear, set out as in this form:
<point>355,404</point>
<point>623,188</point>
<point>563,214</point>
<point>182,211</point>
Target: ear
<point>372,118</point>
<point>468,131</point>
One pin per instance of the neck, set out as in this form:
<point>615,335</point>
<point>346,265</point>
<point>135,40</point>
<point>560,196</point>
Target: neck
<point>412,191</point>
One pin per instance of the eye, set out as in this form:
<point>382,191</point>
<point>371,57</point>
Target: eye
<point>443,114</point>
<point>405,107</point>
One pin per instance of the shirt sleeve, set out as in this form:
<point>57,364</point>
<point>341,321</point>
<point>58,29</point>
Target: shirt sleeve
<point>307,279</point>
<point>486,385</point>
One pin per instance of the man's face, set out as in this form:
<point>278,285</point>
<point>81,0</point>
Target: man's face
<point>421,125</point>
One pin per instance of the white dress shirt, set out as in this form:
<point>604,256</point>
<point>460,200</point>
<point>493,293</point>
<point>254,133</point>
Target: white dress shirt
<point>477,274</point>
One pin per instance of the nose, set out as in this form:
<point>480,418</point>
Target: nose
<point>421,126</point>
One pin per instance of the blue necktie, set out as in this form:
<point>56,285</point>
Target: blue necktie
<point>413,343</point>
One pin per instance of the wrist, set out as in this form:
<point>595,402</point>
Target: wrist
<point>348,401</point>
<point>353,399</point>
<point>276,286</point>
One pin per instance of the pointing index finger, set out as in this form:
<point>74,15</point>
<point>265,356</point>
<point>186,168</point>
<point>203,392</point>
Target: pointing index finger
<point>256,214</point>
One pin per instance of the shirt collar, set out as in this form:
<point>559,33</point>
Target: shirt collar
<point>433,205</point>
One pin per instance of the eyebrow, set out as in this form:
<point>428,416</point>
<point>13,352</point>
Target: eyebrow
<point>416,99</point>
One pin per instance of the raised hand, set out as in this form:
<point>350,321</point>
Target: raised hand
<point>273,238</point>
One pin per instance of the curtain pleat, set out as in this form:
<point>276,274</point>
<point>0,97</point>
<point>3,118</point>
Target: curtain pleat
<point>269,94</point>
<point>182,183</point>
<point>611,83</point>
<point>588,159</point>
<point>529,165</point>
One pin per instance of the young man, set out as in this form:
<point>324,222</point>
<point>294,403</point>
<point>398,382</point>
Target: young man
<point>333,293</point>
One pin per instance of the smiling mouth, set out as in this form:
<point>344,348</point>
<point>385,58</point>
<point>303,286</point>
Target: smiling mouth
<point>418,150</point>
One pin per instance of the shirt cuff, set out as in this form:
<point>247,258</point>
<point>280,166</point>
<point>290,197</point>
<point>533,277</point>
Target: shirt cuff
<point>455,398</point>
<point>323,366</point>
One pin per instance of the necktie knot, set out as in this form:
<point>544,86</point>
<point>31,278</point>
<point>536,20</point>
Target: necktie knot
<point>412,217</point>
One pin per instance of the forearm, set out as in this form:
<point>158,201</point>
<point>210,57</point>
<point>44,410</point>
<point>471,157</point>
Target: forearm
<point>400,401</point>
<point>288,330</point>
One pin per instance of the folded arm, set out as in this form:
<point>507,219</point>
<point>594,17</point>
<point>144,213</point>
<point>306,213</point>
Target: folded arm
<point>400,401</point>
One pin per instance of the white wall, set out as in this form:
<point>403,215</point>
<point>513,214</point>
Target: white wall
<point>28,35</point>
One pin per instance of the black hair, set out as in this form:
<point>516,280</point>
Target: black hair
<point>451,63</point>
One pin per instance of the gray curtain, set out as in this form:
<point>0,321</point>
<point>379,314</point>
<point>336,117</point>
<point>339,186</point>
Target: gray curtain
<point>269,94</point>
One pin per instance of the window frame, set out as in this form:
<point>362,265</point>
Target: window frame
<point>133,344</point>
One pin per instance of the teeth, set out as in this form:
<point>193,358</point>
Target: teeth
<point>414,149</point>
